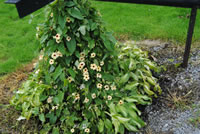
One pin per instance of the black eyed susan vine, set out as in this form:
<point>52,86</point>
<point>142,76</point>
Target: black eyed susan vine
<point>84,82</point>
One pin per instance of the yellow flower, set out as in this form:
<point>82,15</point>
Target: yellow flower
<point>82,54</point>
<point>121,102</point>
<point>86,100</point>
<point>54,56</point>
<point>51,61</point>
<point>70,79</point>
<point>99,75</point>
<point>72,130</point>
<point>81,65</point>
<point>41,57</point>
<point>109,97</point>
<point>87,130</point>
<point>86,77</point>
<point>93,66</point>
<point>101,63</point>
<point>51,15</point>
<point>85,70</point>
<point>99,85</point>
<point>68,38</point>
<point>98,68</point>
<point>93,55</point>
<point>77,97</point>
<point>59,54</point>
<point>51,28</point>
<point>94,96</point>
<point>55,87</point>
<point>49,100</point>
<point>58,41</point>
<point>113,87</point>
<point>54,107</point>
<point>57,37</point>
<point>81,59</point>
<point>68,19</point>
<point>106,87</point>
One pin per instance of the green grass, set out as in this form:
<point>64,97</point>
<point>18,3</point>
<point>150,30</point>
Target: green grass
<point>17,37</point>
<point>147,21</point>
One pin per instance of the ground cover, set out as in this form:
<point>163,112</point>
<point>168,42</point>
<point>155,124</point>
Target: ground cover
<point>176,110</point>
<point>127,21</point>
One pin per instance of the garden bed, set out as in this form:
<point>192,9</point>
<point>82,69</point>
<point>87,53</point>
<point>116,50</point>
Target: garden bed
<point>175,111</point>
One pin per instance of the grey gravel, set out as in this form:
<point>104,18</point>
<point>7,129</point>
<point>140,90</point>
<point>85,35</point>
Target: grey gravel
<point>162,119</point>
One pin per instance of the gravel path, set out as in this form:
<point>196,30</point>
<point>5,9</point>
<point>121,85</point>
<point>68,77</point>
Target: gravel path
<point>181,85</point>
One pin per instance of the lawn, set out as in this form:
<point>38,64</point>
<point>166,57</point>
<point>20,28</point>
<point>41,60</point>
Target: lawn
<point>127,21</point>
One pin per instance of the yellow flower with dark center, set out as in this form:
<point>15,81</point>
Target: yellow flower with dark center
<point>81,59</point>
<point>87,130</point>
<point>86,77</point>
<point>54,56</point>
<point>109,97</point>
<point>68,20</point>
<point>81,65</point>
<point>99,85</point>
<point>106,87</point>
<point>121,102</point>
<point>99,75</point>
<point>68,38</point>
<point>94,96</point>
<point>70,79</point>
<point>93,55</point>
<point>72,130</point>
<point>51,61</point>
<point>82,54</point>
<point>93,66</point>
<point>98,68</point>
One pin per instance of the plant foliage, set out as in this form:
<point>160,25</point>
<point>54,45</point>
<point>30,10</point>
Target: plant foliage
<point>84,82</point>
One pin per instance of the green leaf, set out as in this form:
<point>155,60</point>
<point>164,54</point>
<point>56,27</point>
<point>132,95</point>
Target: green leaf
<point>101,126</point>
<point>72,73</point>
<point>74,12</point>
<point>42,118</point>
<point>147,89</point>
<point>116,124</point>
<point>108,124</point>
<point>61,21</point>
<point>131,127</point>
<point>53,119</point>
<point>82,29</point>
<point>60,96</point>
<point>71,45</point>
<point>131,86</point>
<point>91,43</point>
<point>70,3</point>
<point>124,78</point>
<point>57,73</point>
<point>55,130</point>
<point>122,119</point>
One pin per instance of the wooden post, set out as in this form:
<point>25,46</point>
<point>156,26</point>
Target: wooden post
<point>189,36</point>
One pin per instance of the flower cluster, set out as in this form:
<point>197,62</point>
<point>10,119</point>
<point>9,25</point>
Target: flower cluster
<point>54,56</point>
<point>57,37</point>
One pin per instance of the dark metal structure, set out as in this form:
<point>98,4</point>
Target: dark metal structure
<point>194,4</point>
<point>25,7</point>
